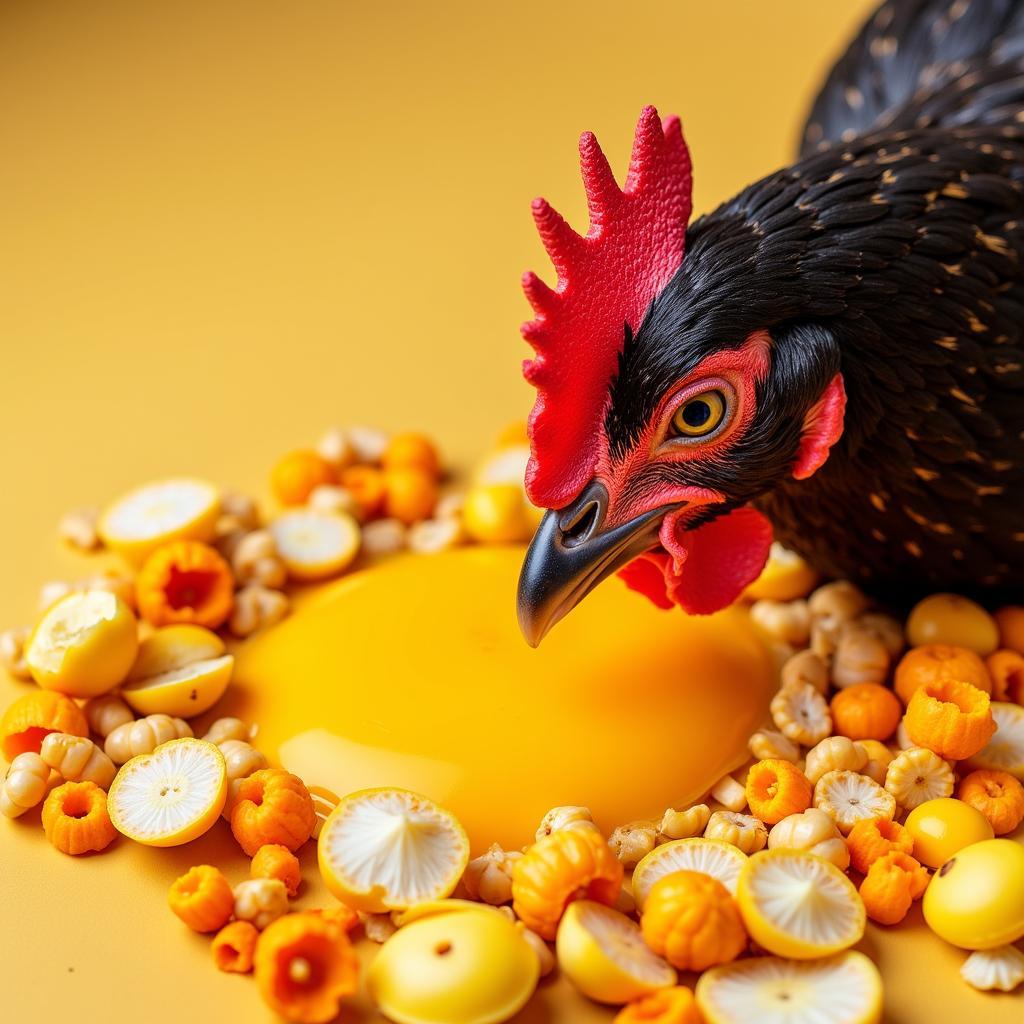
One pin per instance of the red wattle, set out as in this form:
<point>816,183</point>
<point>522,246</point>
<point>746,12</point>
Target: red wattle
<point>709,567</point>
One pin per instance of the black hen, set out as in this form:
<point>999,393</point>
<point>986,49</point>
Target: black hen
<point>886,264</point>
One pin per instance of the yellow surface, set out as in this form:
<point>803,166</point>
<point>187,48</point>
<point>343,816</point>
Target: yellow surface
<point>226,225</point>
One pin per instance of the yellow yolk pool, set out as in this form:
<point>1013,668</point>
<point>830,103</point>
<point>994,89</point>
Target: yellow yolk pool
<point>414,674</point>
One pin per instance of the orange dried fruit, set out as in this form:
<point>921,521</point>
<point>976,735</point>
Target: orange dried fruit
<point>273,807</point>
<point>1010,621</point>
<point>75,818</point>
<point>296,475</point>
<point>776,789</point>
<point>674,1005</point>
<point>33,716</point>
<point>891,885</point>
<point>952,719</point>
<point>410,494</point>
<point>998,795</point>
<point>865,711</point>
<point>692,921</point>
<point>934,663</point>
<point>185,581</point>
<point>202,898</point>
<point>366,485</point>
<point>234,947</point>
<point>412,451</point>
<point>559,868</point>
<point>874,838</point>
<point>1006,667</point>
<point>276,861</point>
<point>304,967</point>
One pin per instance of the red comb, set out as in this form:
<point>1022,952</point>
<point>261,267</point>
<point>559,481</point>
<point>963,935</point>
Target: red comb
<point>606,280</point>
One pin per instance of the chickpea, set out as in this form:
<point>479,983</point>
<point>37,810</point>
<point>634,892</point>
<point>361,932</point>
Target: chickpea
<point>255,560</point>
<point>384,537</point>
<point>685,824</point>
<point>257,607</point>
<point>806,667</point>
<point>632,842</point>
<point>489,877</point>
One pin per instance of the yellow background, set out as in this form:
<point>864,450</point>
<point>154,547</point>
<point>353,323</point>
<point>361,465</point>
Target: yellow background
<point>224,226</point>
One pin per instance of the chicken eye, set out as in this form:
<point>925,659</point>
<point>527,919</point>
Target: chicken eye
<point>700,415</point>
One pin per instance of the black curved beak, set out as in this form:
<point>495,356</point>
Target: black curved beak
<point>571,553</point>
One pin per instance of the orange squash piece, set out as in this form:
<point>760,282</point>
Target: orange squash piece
<point>75,818</point>
<point>952,719</point>
<point>304,967</point>
<point>675,1005</point>
<point>934,663</point>
<point>28,721</point>
<point>873,838</point>
<point>692,921</point>
<point>891,885</point>
<point>273,807</point>
<point>866,711</point>
<point>998,795</point>
<point>296,475</point>
<point>185,581</point>
<point>1006,667</point>
<point>775,789</point>
<point>202,898</point>
<point>234,947</point>
<point>565,865</point>
<point>276,861</point>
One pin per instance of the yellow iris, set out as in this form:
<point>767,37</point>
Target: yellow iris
<point>700,415</point>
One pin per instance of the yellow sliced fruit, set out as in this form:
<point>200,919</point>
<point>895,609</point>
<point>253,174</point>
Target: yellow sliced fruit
<point>171,796</point>
<point>138,523</point>
<point>712,857</point>
<point>785,577</point>
<point>504,466</point>
<point>183,692</point>
<point>434,907</point>
<point>84,644</point>
<point>454,968</point>
<point>315,545</point>
<point>172,647</point>
<point>1005,751</point>
<point>799,905</point>
<point>843,989</point>
<point>389,849</point>
<point>602,952</point>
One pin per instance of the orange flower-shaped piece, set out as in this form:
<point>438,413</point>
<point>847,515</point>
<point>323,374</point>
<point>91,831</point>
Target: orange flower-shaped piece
<point>75,818</point>
<point>998,795</point>
<point>950,718</point>
<point>273,807</point>
<point>866,711</point>
<point>674,1005</point>
<point>1006,668</point>
<point>202,898</point>
<point>276,861</point>
<point>28,721</point>
<point>234,947</point>
<point>776,789</point>
<point>933,663</point>
<point>185,581</point>
<point>296,475</point>
<point>891,885</point>
<point>559,868</point>
<point>691,920</point>
<point>875,837</point>
<point>304,967</point>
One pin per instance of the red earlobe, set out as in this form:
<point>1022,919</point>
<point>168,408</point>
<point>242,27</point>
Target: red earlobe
<point>823,426</point>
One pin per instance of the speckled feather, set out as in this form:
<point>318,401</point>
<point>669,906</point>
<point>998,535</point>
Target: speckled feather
<point>891,251</point>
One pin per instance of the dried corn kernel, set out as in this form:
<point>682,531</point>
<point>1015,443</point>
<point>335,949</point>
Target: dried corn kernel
<point>812,830</point>
<point>743,831</point>
<point>564,817</point>
<point>685,824</point>
<point>368,443</point>
<point>257,607</point>
<point>860,657</point>
<point>335,499</point>
<point>24,785</point>
<point>878,756</point>
<point>767,743</point>
<point>886,628</point>
<point>917,775</point>
<point>489,877</point>
<point>12,651</point>
<point>834,754</point>
<point>378,927</point>
<point>787,621</point>
<point>847,797</point>
<point>260,901</point>
<point>78,529</point>
<point>632,842</point>
<point>229,729</point>
<point>837,602</point>
<point>255,560</point>
<point>729,793</point>
<point>77,759</point>
<point>143,737</point>
<point>106,713</point>
<point>121,586</point>
<point>237,512</point>
<point>384,537</point>
<point>801,713</point>
<point>806,667</point>
<point>433,535</point>
<point>335,448</point>
<point>994,970</point>
<point>545,956</point>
